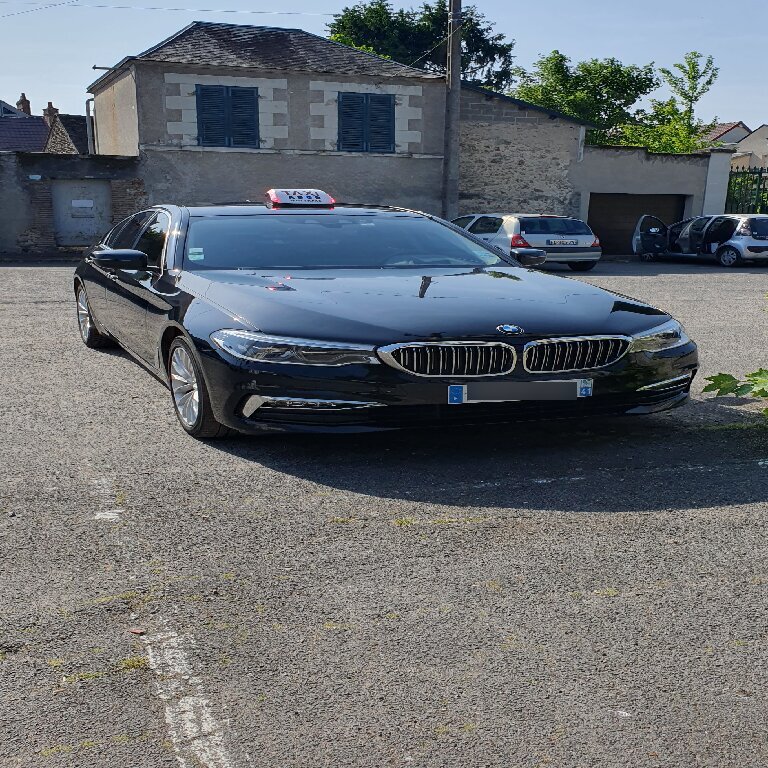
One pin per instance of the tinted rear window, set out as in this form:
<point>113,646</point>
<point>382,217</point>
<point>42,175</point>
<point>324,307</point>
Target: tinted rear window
<point>759,227</point>
<point>323,241</point>
<point>547,226</point>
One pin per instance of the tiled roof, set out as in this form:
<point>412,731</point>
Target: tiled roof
<point>527,105</point>
<point>27,134</point>
<point>77,130</point>
<point>240,46</point>
<point>722,128</point>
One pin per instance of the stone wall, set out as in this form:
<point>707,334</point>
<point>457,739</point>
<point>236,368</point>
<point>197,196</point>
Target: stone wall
<point>186,176</point>
<point>515,159</point>
<point>26,199</point>
<point>298,111</point>
<point>59,142</point>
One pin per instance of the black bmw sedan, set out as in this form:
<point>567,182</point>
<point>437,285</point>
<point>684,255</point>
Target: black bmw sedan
<point>303,315</point>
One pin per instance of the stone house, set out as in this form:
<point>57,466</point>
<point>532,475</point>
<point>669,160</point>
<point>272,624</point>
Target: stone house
<point>222,112</point>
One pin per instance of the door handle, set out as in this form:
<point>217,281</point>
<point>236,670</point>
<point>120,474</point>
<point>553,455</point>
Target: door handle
<point>113,277</point>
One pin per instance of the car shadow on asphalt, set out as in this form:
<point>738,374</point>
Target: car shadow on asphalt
<point>708,454</point>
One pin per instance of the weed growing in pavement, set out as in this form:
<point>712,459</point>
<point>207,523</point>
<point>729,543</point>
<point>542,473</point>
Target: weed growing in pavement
<point>606,592</point>
<point>132,664</point>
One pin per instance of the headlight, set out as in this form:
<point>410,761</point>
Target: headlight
<point>259,347</point>
<point>670,334</point>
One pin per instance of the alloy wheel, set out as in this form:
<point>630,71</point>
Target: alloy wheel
<point>728,257</point>
<point>83,314</point>
<point>186,395</point>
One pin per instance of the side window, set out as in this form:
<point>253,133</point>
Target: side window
<point>486,225</point>
<point>698,225</point>
<point>112,235</point>
<point>366,122</point>
<point>129,232</point>
<point>152,241</point>
<point>227,116</point>
<point>462,221</point>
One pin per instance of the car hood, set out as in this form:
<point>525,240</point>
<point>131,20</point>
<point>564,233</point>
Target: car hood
<point>386,306</point>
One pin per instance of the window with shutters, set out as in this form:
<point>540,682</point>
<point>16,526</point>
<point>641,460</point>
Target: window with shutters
<point>366,122</point>
<point>227,116</point>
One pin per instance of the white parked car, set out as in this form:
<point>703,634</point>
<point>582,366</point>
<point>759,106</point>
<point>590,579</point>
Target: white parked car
<point>565,240</point>
<point>730,239</point>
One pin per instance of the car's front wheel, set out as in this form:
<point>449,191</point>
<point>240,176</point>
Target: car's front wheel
<point>92,337</point>
<point>728,257</point>
<point>582,266</point>
<point>190,395</point>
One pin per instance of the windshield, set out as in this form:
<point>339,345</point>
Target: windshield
<point>322,241</point>
<point>759,227</point>
<point>553,226</point>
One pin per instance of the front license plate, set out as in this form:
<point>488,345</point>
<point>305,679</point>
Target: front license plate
<point>562,242</point>
<point>515,391</point>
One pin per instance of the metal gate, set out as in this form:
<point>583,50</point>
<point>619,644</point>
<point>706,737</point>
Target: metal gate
<point>81,210</point>
<point>747,191</point>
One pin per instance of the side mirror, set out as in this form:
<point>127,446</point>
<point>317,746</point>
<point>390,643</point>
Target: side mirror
<point>529,257</point>
<point>121,258</point>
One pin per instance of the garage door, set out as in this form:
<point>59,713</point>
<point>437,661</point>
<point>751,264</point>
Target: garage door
<point>81,210</point>
<point>613,216</point>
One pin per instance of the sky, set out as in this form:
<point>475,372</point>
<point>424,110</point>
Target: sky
<point>48,47</point>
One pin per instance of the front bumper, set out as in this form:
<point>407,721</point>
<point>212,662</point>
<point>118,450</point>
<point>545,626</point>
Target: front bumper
<point>255,398</point>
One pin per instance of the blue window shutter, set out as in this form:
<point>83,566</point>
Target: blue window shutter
<point>381,122</point>
<point>244,117</point>
<point>352,122</point>
<point>212,115</point>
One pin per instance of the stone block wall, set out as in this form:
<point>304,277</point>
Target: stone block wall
<point>514,159</point>
<point>26,194</point>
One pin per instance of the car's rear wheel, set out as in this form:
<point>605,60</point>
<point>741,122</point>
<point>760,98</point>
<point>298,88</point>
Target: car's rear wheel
<point>92,337</point>
<point>190,395</point>
<point>582,266</point>
<point>647,257</point>
<point>728,257</point>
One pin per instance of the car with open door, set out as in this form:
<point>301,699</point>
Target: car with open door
<point>564,239</point>
<point>306,315</point>
<point>729,239</point>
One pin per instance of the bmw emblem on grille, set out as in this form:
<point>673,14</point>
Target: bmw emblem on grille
<point>513,330</point>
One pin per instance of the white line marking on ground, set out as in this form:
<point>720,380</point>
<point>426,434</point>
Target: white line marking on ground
<point>198,740</point>
<point>104,491</point>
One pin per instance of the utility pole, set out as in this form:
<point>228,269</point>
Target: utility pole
<point>452,109</point>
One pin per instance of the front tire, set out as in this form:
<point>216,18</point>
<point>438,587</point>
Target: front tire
<point>189,394</point>
<point>582,266</point>
<point>728,257</point>
<point>92,337</point>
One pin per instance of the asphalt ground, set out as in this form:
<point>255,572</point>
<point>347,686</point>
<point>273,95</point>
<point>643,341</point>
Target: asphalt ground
<point>565,594</point>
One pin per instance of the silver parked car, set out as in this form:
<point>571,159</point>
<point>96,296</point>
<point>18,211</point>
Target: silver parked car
<point>729,239</point>
<point>565,240</point>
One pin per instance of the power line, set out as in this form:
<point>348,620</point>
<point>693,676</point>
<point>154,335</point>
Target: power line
<point>75,4</point>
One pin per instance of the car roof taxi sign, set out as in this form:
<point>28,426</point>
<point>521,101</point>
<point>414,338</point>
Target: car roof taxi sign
<point>298,198</point>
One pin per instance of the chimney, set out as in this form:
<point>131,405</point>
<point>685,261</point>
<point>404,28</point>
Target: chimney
<point>23,105</point>
<point>50,112</point>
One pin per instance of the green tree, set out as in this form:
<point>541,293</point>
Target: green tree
<point>672,125</point>
<point>665,128</point>
<point>417,37</point>
<point>598,91</point>
<point>694,80</point>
